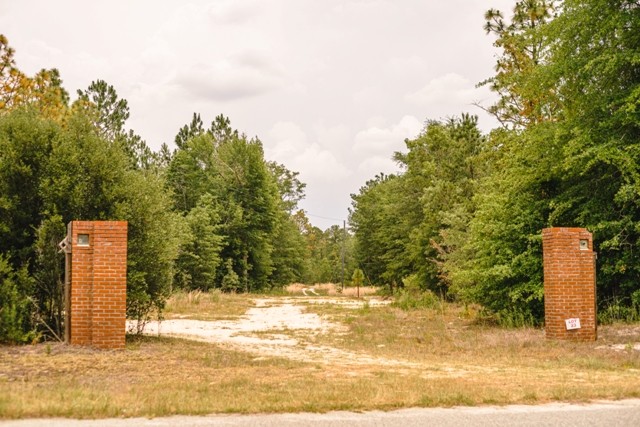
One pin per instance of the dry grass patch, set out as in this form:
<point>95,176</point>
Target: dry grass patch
<point>441,357</point>
<point>161,376</point>
<point>449,338</point>
<point>211,306</point>
<point>330,289</point>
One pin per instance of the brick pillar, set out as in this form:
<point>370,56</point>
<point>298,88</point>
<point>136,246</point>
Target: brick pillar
<point>98,283</point>
<point>569,283</point>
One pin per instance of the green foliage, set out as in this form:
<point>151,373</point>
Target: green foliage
<point>523,47</point>
<point>357,277</point>
<point>68,173</point>
<point>410,301</point>
<point>578,167</point>
<point>25,145</point>
<point>503,267</point>
<point>108,112</point>
<point>155,234</point>
<point>614,310</point>
<point>230,281</point>
<point>411,223</point>
<point>15,306</point>
<point>48,274</point>
<point>467,214</point>
<point>288,253</point>
<point>254,200</point>
<point>323,262</point>
<point>206,216</point>
<point>289,186</point>
<point>381,231</point>
<point>197,265</point>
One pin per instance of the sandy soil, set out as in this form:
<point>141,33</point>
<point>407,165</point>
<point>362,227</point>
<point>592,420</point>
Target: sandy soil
<point>330,289</point>
<point>274,328</point>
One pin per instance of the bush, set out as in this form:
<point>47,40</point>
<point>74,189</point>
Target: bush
<point>407,300</point>
<point>15,306</point>
<point>615,311</point>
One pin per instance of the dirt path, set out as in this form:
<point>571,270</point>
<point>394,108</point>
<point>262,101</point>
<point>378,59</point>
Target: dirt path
<point>276,327</point>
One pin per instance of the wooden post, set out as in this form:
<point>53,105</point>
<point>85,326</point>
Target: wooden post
<point>65,247</point>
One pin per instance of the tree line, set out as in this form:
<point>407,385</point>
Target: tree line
<point>212,213</point>
<point>465,215</point>
<point>463,218</point>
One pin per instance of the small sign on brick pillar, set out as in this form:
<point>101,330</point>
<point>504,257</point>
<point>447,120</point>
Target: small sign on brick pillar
<point>569,284</point>
<point>97,283</point>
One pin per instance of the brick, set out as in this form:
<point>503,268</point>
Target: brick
<point>98,284</point>
<point>569,283</point>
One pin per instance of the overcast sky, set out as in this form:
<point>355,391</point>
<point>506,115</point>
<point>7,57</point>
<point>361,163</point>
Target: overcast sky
<point>332,88</point>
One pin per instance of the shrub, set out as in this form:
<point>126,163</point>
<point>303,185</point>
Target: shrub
<point>16,325</point>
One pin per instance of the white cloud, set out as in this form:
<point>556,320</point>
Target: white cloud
<point>234,11</point>
<point>449,90</point>
<point>358,8</point>
<point>376,121</point>
<point>39,49</point>
<point>376,141</point>
<point>405,65</point>
<point>377,164</point>
<point>352,63</point>
<point>238,76</point>
<point>367,96</point>
<point>335,138</point>
<point>314,163</point>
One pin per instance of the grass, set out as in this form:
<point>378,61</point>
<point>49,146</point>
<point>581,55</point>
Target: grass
<point>444,357</point>
<point>451,334</point>
<point>208,306</point>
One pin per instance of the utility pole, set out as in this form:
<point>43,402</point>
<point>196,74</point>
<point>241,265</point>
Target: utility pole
<point>344,238</point>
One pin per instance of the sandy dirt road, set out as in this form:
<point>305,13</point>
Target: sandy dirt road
<point>269,329</point>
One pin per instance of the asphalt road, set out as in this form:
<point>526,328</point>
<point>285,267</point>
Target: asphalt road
<point>610,414</point>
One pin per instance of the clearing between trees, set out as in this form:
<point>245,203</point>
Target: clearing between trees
<point>288,353</point>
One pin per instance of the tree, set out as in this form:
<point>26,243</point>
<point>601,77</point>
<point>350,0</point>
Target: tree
<point>197,265</point>
<point>357,278</point>
<point>51,174</point>
<point>289,186</point>
<point>252,206</point>
<point>16,325</point>
<point>189,131</point>
<point>577,167</point>
<point>44,91</point>
<point>108,111</point>
<point>381,233</point>
<point>594,66</point>
<point>523,47</point>
<point>408,225</point>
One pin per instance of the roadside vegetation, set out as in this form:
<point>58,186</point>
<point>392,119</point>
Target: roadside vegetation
<point>451,244</point>
<point>443,355</point>
<point>461,221</point>
<point>464,218</point>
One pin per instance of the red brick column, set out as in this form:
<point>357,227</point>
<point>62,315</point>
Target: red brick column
<point>98,283</point>
<point>569,283</point>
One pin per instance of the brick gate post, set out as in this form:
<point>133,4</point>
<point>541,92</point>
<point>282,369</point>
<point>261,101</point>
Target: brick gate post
<point>569,284</point>
<point>98,283</point>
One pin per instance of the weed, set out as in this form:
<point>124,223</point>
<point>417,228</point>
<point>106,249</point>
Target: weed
<point>616,312</point>
<point>215,305</point>
<point>407,300</point>
<point>516,319</point>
